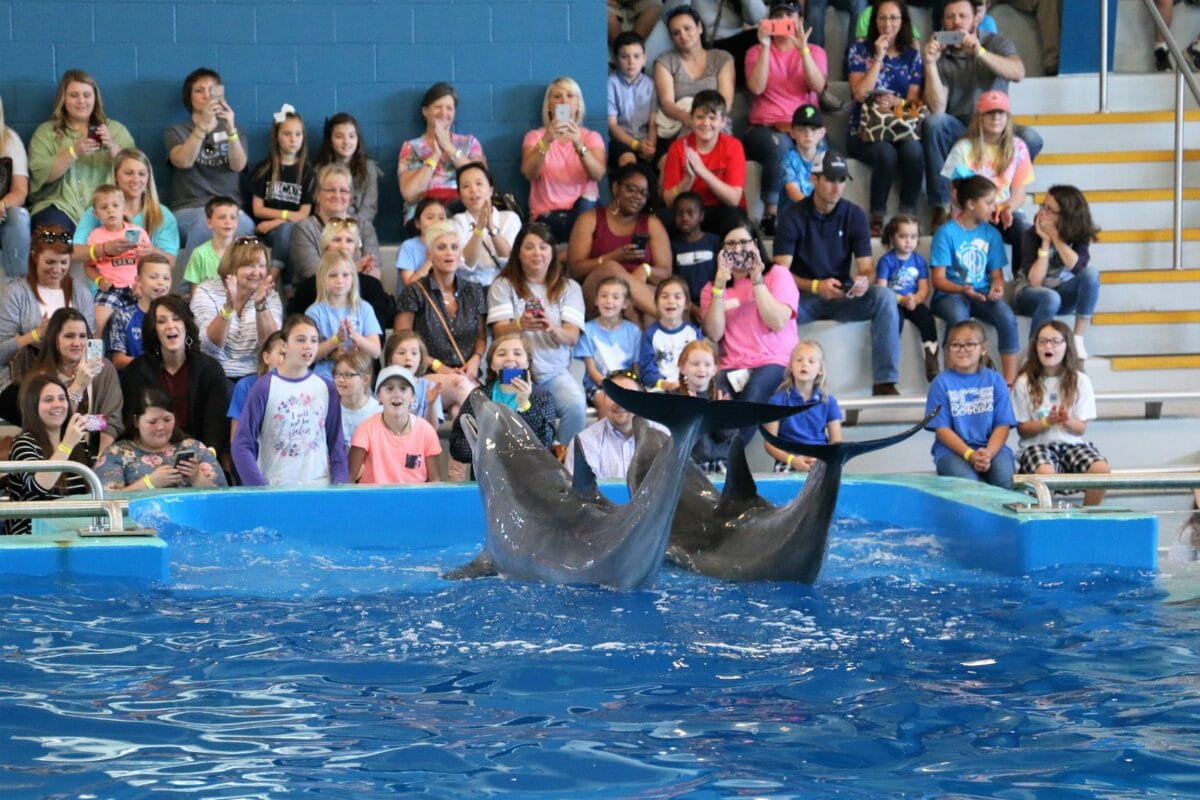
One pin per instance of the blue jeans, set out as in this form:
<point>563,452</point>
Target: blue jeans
<point>763,382</point>
<point>768,146</point>
<point>15,239</point>
<point>570,404</point>
<point>561,222</point>
<point>814,16</point>
<point>938,135</point>
<point>884,158</point>
<point>1000,473</point>
<point>1078,294</point>
<point>877,305</point>
<point>194,231</point>
<point>956,307</point>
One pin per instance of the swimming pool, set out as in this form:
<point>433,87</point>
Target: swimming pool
<point>342,666</point>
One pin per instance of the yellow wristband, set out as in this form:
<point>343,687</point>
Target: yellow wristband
<point>523,408</point>
<point>35,335</point>
<point>816,286</point>
<point>225,313</point>
<point>649,270</point>
<point>518,323</point>
<point>806,51</point>
<point>233,137</point>
<point>335,340</point>
<point>791,457</point>
<point>71,150</point>
<point>62,448</point>
<point>1045,422</point>
<point>635,144</point>
<point>718,292</point>
<point>1043,253</point>
<point>980,51</point>
<point>967,455</point>
<point>92,252</point>
<point>658,383</point>
<point>435,365</point>
<point>146,480</point>
<point>283,216</point>
<point>430,162</point>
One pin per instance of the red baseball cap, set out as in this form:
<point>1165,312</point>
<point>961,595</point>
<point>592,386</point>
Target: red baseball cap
<point>993,101</point>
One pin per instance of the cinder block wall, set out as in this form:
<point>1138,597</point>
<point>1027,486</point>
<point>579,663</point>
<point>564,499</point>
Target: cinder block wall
<point>374,60</point>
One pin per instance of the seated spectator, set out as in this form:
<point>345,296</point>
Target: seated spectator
<point>395,446</point>
<point>342,144</point>
<point>485,233</point>
<point>1053,276</point>
<point>810,144</point>
<point>221,215</point>
<point>819,240</point>
<point>14,217</point>
<point>535,296</point>
<point>710,163</point>
<point>155,454</point>
<point>819,424</point>
<point>750,312</point>
<point>955,77</point>
<point>113,276</point>
<point>352,379</point>
<point>1052,402</point>
<point>886,71</point>
<point>344,320</point>
<point>693,250</point>
<point>207,154</point>
<point>171,360</point>
<point>623,240</point>
<point>1048,15</point>
<point>728,27</point>
<point>124,337</point>
<point>51,432</point>
<point>412,259</point>
<point>975,413</point>
<point>639,15</point>
<point>282,189</point>
<point>562,160</point>
<point>984,22</point>
<point>608,444</point>
<point>405,348</point>
<point>609,342</point>
<point>782,72</point>
<point>906,272</point>
<point>632,105</point>
<point>665,338</point>
<point>967,269</point>
<point>428,164</point>
<point>690,67</point>
<point>72,153</point>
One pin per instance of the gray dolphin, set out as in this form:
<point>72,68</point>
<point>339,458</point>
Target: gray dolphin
<point>739,536</point>
<point>543,526</point>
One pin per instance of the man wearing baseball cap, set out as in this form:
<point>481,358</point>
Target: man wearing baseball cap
<point>819,239</point>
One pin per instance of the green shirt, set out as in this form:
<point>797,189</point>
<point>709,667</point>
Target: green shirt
<point>72,192</point>
<point>202,264</point>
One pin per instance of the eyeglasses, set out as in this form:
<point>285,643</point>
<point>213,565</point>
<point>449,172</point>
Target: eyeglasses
<point>50,237</point>
<point>335,190</point>
<point>731,243</point>
<point>244,240</point>
<point>1051,341</point>
<point>1049,210</point>
<point>344,375</point>
<point>964,345</point>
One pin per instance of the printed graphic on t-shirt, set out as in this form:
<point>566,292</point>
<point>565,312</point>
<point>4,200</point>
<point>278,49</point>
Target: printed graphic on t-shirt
<point>974,400</point>
<point>301,422</point>
<point>213,154</point>
<point>904,280</point>
<point>973,261</point>
<point>283,192</point>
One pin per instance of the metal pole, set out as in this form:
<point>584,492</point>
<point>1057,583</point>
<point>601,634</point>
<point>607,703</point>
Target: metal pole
<point>1103,56</point>
<point>1177,217</point>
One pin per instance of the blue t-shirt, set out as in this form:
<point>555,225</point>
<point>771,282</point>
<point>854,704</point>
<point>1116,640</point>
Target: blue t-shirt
<point>696,262</point>
<point>797,170</point>
<point>410,257</point>
<point>902,276</point>
<point>823,245</point>
<point>972,405</point>
<point>658,354</point>
<point>968,255</point>
<point>241,390</point>
<point>811,425</point>
<point>329,318</point>
<point>610,349</point>
<point>124,331</point>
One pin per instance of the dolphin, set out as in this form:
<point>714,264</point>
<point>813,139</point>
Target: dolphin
<point>544,526</point>
<point>737,535</point>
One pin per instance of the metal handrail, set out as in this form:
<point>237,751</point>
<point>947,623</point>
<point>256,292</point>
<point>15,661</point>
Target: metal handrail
<point>1153,399</point>
<point>1043,486</point>
<point>95,488</point>
<point>113,511</point>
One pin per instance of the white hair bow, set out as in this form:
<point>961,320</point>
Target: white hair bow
<point>283,112</point>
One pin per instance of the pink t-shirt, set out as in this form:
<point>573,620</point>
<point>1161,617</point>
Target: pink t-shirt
<point>563,180</point>
<point>786,86</point>
<point>392,458</point>
<point>748,342</point>
<point>120,270</point>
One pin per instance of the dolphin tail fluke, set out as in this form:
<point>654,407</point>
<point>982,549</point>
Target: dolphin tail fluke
<point>842,452</point>
<point>739,482</point>
<point>678,412</point>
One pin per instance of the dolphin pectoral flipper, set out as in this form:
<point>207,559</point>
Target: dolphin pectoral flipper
<point>479,567</point>
<point>841,452</point>
<point>583,479</point>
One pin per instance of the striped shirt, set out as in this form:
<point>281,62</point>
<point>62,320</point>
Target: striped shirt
<point>239,355</point>
<point>22,485</point>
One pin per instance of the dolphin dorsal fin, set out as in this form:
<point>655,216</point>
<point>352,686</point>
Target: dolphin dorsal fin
<point>739,483</point>
<point>582,479</point>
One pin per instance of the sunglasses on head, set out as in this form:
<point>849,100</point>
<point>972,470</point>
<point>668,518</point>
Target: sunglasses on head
<point>50,237</point>
<point>623,373</point>
<point>342,222</point>
<point>243,240</point>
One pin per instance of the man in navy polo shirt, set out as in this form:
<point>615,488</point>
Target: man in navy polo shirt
<point>817,239</point>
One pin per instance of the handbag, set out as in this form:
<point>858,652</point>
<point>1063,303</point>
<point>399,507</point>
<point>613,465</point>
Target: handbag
<point>901,124</point>
<point>507,201</point>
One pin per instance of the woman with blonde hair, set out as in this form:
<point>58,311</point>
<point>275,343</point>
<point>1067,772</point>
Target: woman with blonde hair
<point>14,188</point>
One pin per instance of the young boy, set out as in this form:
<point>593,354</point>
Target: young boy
<point>395,445</point>
<point>113,275</point>
<point>125,331</point>
<point>632,101</point>
<point>221,213</point>
<point>808,132</point>
<point>710,163</point>
<point>694,250</point>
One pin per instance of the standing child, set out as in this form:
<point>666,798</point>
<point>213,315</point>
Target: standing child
<point>808,134</point>
<point>113,275</point>
<point>342,144</point>
<point>975,413</point>
<point>412,259</point>
<point>345,322</point>
<point>395,445</point>
<point>282,187</point>
<point>903,270</point>
<point>351,377</point>
<point>708,162</point>
<point>1052,402</point>
<point>968,269</point>
<point>406,349</point>
<point>291,428</point>
<point>125,331</point>
<point>697,374</point>
<point>609,342</point>
<point>693,248</point>
<point>821,424</point>
<point>221,213</point>
<point>664,341</point>
<point>632,102</point>
<point>270,358</point>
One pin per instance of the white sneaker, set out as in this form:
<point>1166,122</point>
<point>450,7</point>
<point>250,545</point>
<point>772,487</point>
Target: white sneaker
<point>1080,350</point>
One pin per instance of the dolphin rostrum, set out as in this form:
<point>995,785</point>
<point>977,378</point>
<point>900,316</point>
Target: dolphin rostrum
<point>542,527</point>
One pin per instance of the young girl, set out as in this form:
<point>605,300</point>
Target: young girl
<point>533,403</point>
<point>282,186</point>
<point>395,445</point>
<point>664,341</point>
<point>291,428</point>
<point>345,322</point>
<point>1053,276</point>
<point>968,269</point>
<point>407,349</point>
<point>975,413</point>
<point>697,378</point>
<point>351,377</point>
<point>412,259</point>
<point>609,342</point>
<point>342,144</point>
<point>270,358</point>
<point>821,424</point>
<point>905,272</point>
<point>1052,402</point>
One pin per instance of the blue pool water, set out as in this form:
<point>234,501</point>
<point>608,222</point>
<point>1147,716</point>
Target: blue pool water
<point>274,668</point>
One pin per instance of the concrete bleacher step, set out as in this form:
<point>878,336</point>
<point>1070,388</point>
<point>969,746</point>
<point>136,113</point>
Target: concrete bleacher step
<point>1137,332</point>
<point>1150,130</point>
<point>1149,289</point>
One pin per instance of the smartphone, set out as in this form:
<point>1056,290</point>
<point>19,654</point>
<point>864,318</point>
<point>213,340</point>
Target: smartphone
<point>782,27</point>
<point>739,259</point>
<point>184,455</point>
<point>534,307</point>
<point>948,38</point>
<point>217,93</point>
<point>94,423</point>
<point>95,349</point>
<point>507,375</point>
<point>640,240</point>
<point>562,112</point>
<point>94,133</point>
<point>132,235</point>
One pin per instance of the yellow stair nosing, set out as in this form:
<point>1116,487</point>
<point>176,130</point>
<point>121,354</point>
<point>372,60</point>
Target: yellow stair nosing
<point>1098,118</point>
<point>1155,362</point>
<point>1115,157</point>
<point>1115,276</point>
<point>1146,318</point>
<point>1148,235</point>
<point>1128,195</point>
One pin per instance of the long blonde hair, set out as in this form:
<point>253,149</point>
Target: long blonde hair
<point>1005,147</point>
<point>329,260</point>
<point>570,84</point>
<point>152,215</point>
<point>789,380</point>
<point>60,100</point>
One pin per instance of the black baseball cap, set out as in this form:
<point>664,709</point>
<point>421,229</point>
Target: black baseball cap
<point>808,116</point>
<point>833,167</point>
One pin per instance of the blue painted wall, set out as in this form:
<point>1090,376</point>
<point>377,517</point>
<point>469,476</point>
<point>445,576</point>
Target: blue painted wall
<point>374,60</point>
